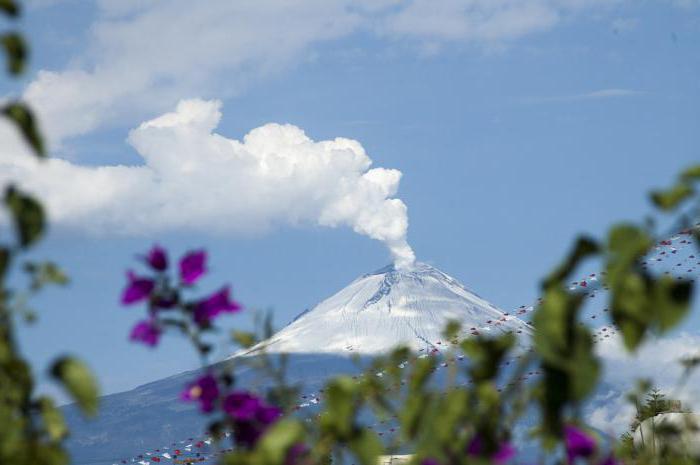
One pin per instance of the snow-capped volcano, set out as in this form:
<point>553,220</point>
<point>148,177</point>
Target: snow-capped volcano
<point>376,312</point>
<point>391,306</point>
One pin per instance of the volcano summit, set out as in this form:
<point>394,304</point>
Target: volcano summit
<point>373,314</point>
<point>391,306</point>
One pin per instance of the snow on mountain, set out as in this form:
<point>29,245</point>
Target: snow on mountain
<point>373,314</point>
<point>391,306</point>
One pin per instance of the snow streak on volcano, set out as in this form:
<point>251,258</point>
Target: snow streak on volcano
<point>391,306</point>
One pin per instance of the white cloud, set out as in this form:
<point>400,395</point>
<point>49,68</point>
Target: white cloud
<point>592,95</point>
<point>145,56</point>
<point>473,20</point>
<point>657,360</point>
<point>195,179</point>
<point>142,57</point>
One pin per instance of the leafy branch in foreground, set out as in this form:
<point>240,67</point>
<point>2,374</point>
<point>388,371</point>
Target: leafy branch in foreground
<point>32,428</point>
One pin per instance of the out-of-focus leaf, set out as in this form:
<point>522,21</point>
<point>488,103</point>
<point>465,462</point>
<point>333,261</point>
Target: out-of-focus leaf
<point>4,261</point>
<point>452,329</point>
<point>422,369</point>
<point>340,411</point>
<point>9,7</point>
<point>48,454</point>
<point>669,199</point>
<point>45,273</point>
<point>24,119</point>
<point>27,215</point>
<point>366,446</point>
<point>630,307</point>
<point>691,174</point>
<point>16,51</point>
<point>672,301</point>
<point>486,354</point>
<point>244,339</point>
<point>553,321</point>
<point>412,412</point>
<point>628,242</point>
<point>77,379</point>
<point>53,419</point>
<point>584,247</point>
<point>278,439</point>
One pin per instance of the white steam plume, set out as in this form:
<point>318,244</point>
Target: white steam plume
<point>195,179</point>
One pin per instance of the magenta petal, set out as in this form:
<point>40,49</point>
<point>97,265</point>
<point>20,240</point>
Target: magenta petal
<point>157,258</point>
<point>219,302</point>
<point>204,390</point>
<point>475,446</point>
<point>242,405</point>
<point>268,414</point>
<point>577,443</point>
<point>138,289</point>
<point>193,266</point>
<point>145,332</point>
<point>503,454</point>
<point>295,453</point>
<point>247,433</point>
<point>610,460</point>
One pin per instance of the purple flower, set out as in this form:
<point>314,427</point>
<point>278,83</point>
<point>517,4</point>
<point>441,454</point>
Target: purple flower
<point>251,415</point>
<point>247,433</point>
<point>296,452</point>
<point>192,266</point>
<point>204,390</point>
<point>217,303</point>
<point>429,461</point>
<point>146,332</point>
<point>577,443</point>
<point>611,460</point>
<point>475,446</point>
<point>138,289</point>
<point>157,258</point>
<point>505,452</point>
<point>268,414</point>
<point>242,405</point>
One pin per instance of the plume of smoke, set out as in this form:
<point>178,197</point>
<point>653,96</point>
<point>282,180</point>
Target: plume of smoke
<point>195,179</point>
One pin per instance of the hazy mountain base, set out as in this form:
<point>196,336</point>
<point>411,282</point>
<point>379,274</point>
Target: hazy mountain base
<point>152,416</point>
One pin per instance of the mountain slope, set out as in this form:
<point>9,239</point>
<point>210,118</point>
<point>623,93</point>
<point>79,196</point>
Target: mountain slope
<point>370,316</point>
<point>390,306</point>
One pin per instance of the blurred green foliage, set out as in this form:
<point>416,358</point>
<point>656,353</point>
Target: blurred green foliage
<point>457,423</point>
<point>32,428</point>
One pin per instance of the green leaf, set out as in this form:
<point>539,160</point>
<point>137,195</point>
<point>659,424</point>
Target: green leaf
<point>486,354</point>
<point>627,244</point>
<point>278,439</point>
<point>10,8</point>
<point>669,199</point>
<point>340,401</point>
<point>422,369</point>
<point>4,261</point>
<point>452,329</point>
<point>16,51</point>
<point>691,174</point>
<point>78,381</point>
<point>584,247</point>
<point>366,446</point>
<point>672,301</point>
<point>24,119</point>
<point>243,339</point>
<point>28,216</point>
<point>45,273</point>
<point>554,321</point>
<point>54,422</point>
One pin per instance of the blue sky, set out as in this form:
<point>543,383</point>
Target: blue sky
<point>515,125</point>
